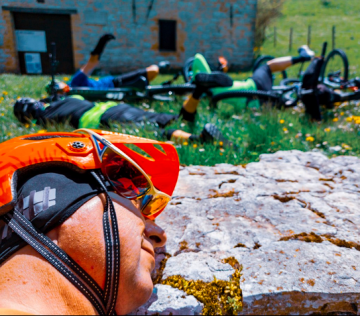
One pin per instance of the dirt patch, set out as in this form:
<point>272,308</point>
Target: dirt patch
<point>312,237</point>
<point>217,194</point>
<point>240,245</point>
<point>282,180</point>
<point>283,199</point>
<point>224,182</point>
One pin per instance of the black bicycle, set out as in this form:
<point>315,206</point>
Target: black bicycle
<point>334,73</point>
<point>306,90</point>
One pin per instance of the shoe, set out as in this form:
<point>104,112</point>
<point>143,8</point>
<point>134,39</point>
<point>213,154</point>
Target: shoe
<point>211,134</point>
<point>305,51</point>
<point>213,80</point>
<point>164,66</point>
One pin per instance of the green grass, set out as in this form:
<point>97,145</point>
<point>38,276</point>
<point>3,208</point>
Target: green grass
<point>299,14</point>
<point>253,131</point>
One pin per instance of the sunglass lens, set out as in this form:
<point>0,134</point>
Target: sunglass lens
<point>124,176</point>
<point>155,205</point>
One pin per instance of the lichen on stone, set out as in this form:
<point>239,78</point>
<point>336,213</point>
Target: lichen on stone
<point>219,297</point>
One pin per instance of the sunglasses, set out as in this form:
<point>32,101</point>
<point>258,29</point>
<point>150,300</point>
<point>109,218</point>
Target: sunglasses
<point>127,177</point>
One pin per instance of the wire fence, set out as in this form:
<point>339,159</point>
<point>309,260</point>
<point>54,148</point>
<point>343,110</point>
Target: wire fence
<point>281,41</point>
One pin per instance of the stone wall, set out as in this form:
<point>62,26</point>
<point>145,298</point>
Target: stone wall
<point>213,28</point>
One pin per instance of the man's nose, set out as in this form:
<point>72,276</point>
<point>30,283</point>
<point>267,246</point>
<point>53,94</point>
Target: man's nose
<point>155,233</point>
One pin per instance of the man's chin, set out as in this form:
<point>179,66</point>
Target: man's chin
<point>140,296</point>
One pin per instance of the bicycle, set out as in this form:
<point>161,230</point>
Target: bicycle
<point>306,90</point>
<point>136,91</point>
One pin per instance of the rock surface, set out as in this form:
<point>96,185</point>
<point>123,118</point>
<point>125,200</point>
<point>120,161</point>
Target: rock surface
<point>292,220</point>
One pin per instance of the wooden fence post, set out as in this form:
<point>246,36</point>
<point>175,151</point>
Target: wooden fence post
<point>275,39</point>
<point>291,39</point>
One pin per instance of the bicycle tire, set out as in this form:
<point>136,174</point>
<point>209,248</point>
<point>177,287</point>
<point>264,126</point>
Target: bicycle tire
<point>264,59</point>
<point>345,61</point>
<point>255,95</point>
<point>186,69</point>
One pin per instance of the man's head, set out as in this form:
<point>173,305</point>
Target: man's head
<point>26,109</point>
<point>63,183</point>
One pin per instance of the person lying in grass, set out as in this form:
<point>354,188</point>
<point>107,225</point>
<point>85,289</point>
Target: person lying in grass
<point>137,77</point>
<point>262,78</point>
<point>84,114</point>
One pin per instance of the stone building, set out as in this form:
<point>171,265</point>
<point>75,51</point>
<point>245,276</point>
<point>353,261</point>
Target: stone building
<point>147,31</point>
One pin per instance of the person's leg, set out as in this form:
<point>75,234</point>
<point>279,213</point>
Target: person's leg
<point>95,55</point>
<point>209,134</point>
<point>203,83</point>
<point>282,63</point>
<point>127,79</point>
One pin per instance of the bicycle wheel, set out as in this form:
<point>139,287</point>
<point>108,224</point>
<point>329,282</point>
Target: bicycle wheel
<point>187,69</point>
<point>168,92</point>
<point>262,96</point>
<point>262,60</point>
<point>335,71</point>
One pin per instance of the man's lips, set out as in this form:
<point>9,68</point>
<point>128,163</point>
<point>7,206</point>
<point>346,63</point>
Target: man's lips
<point>148,248</point>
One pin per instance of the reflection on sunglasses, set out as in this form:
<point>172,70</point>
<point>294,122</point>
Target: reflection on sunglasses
<point>124,176</point>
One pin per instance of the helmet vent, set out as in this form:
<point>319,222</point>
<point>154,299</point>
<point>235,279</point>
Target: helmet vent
<point>48,137</point>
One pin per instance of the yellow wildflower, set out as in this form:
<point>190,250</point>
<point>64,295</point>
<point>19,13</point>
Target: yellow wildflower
<point>349,119</point>
<point>282,121</point>
<point>310,139</point>
<point>5,93</point>
<point>342,113</point>
<point>272,143</point>
<point>42,131</point>
<point>255,49</point>
<point>2,114</point>
<point>194,145</point>
<point>66,79</point>
<point>285,129</point>
<point>345,146</point>
<point>186,143</point>
<point>27,125</point>
<point>335,119</point>
<point>221,143</point>
<point>327,130</point>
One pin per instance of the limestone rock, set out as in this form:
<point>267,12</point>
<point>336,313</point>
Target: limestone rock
<point>166,300</point>
<point>292,220</point>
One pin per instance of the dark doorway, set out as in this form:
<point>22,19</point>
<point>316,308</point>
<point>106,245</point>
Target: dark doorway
<point>57,28</point>
<point>167,35</point>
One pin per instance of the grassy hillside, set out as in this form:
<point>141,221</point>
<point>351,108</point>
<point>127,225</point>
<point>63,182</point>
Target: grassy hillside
<point>299,14</point>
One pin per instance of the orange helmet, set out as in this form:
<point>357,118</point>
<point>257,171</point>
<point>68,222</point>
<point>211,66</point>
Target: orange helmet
<point>27,217</point>
<point>29,150</point>
<point>223,64</point>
